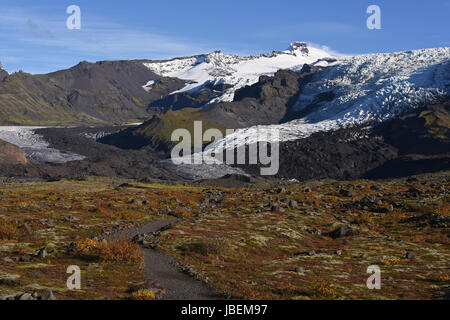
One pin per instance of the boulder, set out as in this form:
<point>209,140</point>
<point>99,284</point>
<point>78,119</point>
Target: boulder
<point>42,253</point>
<point>293,204</point>
<point>48,296</point>
<point>347,193</point>
<point>343,231</point>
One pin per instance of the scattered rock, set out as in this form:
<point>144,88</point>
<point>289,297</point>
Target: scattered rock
<point>48,296</point>
<point>11,282</point>
<point>343,231</point>
<point>347,193</point>
<point>281,190</point>
<point>276,208</point>
<point>71,247</point>
<point>136,202</point>
<point>414,192</point>
<point>24,296</point>
<point>410,255</point>
<point>433,219</point>
<point>299,270</point>
<point>306,253</point>
<point>42,253</point>
<point>367,200</point>
<point>26,259</point>
<point>293,204</point>
<point>7,259</point>
<point>139,239</point>
<point>71,219</point>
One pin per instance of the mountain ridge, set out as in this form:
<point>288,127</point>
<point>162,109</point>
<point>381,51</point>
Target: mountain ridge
<point>121,91</point>
<point>101,92</point>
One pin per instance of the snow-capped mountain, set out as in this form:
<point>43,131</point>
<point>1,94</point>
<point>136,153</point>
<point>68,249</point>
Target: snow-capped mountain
<point>359,89</point>
<point>220,68</point>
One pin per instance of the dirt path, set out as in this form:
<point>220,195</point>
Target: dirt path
<point>161,268</point>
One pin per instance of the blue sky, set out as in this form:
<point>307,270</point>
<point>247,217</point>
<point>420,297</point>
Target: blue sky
<point>34,37</point>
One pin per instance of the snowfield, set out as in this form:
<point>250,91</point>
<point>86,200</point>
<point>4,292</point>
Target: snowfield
<point>34,145</point>
<point>218,68</point>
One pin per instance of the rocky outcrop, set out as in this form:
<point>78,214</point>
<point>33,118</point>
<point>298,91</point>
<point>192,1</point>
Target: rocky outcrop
<point>3,73</point>
<point>269,101</point>
<point>11,154</point>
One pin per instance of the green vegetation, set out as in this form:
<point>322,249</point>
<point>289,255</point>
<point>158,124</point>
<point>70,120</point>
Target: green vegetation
<point>162,126</point>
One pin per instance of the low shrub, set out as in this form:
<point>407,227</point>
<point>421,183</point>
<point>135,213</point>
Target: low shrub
<point>143,294</point>
<point>8,231</point>
<point>113,251</point>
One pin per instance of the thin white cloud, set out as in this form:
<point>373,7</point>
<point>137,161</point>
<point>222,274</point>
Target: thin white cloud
<point>97,38</point>
<point>328,50</point>
<point>57,47</point>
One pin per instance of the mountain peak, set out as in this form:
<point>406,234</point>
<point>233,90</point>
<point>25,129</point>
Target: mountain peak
<point>302,47</point>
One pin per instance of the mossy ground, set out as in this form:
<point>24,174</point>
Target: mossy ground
<point>232,238</point>
<point>243,248</point>
<point>56,214</point>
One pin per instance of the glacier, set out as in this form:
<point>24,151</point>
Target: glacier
<point>373,87</point>
<point>34,145</point>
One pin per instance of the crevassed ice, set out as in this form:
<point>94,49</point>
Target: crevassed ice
<point>366,87</point>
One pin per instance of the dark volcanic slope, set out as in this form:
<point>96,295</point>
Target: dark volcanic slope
<point>102,92</point>
<point>418,142</point>
<point>422,139</point>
